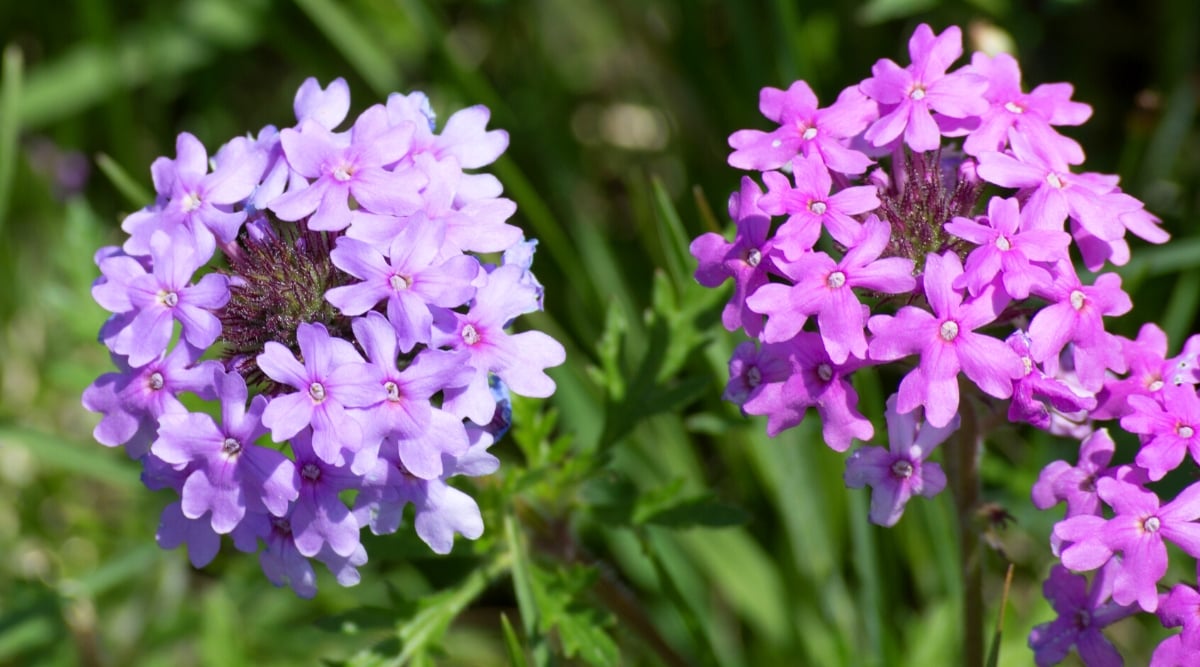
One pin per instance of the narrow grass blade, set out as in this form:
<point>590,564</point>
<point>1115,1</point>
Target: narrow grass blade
<point>129,187</point>
<point>11,68</point>
<point>356,44</point>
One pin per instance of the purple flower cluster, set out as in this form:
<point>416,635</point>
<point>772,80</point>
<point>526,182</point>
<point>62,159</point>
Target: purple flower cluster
<point>353,337</point>
<point>870,241</point>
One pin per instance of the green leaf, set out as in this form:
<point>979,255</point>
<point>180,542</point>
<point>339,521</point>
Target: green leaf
<point>424,630</point>
<point>516,655</point>
<point>580,627</point>
<point>608,348</point>
<point>703,511</point>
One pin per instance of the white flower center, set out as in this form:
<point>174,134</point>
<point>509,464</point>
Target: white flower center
<point>1155,385</point>
<point>1077,299</point>
<point>156,381</point>
<point>948,330</point>
<point>231,447</point>
<point>343,172</point>
<point>753,377</point>
<point>191,202</point>
<point>1055,181</point>
<point>310,471</point>
<point>902,469</point>
<point>776,144</point>
<point>917,93</point>
<point>401,283</point>
<point>168,299</point>
<point>1028,364</point>
<point>1002,243</point>
<point>317,391</point>
<point>1151,525</point>
<point>1013,107</point>
<point>825,372</point>
<point>1184,431</point>
<point>753,257</point>
<point>393,390</point>
<point>809,134</point>
<point>469,335</point>
<point>836,279</point>
<point>817,207</point>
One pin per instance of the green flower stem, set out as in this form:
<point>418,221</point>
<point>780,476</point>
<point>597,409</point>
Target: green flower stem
<point>962,467</point>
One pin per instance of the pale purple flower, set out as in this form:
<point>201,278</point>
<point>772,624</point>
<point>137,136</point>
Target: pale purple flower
<point>1036,394</point>
<point>405,419</point>
<point>1169,429</point>
<point>283,564</point>
<point>410,279</point>
<point>1075,315</point>
<point>1076,484</point>
<point>325,106</point>
<point>1030,114</point>
<point>909,96</point>
<point>1083,612</point>
<point>1008,246</point>
<point>1171,652</point>
<point>195,200</point>
<point>810,206</point>
<point>176,529</point>
<point>1138,530</point>
<point>333,377</point>
<point>133,400</point>
<point>162,296</point>
<point>343,170</point>
<point>747,260</point>
<point>318,516</point>
<point>1181,607</point>
<point>804,129</point>
<point>947,343</point>
<point>898,473</point>
<point>231,473</point>
<point>518,359</point>
<point>755,371</point>
<point>825,288</point>
<point>441,511</point>
<point>1149,372</point>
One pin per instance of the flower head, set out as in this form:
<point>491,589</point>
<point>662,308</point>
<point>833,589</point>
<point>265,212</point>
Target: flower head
<point>292,254</point>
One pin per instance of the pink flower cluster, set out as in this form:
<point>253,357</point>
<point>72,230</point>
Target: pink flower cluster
<point>326,289</point>
<point>868,241</point>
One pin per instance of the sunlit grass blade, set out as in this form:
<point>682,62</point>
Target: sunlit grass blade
<point>516,654</point>
<point>1179,314</point>
<point>994,654</point>
<point>72,457</point>
<point>356,44</point>
<point>674,239</point>
<point>12,70</point>
<point>523,589</point>
<point>129,187</point>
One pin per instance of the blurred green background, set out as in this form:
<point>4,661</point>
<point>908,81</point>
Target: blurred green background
<point>618,112</point>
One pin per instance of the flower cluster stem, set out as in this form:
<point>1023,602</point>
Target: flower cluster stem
<point>962,466</point>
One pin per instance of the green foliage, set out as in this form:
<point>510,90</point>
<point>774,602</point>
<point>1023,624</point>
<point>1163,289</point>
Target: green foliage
<point>636,519</point>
